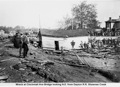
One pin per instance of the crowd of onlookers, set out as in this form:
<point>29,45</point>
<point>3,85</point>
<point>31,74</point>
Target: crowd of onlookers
<point>93,43</point>
<point>104,33</point>
<point>20,40</point>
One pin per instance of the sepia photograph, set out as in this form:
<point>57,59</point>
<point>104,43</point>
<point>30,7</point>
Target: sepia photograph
<point>60,41</point>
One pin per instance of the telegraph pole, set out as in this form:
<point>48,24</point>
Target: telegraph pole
<point>39,23</point>
<point>39,35</point>
<point>72,23</point>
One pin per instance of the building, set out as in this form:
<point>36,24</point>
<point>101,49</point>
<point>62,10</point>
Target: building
<point>60,42</point>
<point>113,26</point>
<point>56,39</point>
<point>63,38</point>
<point>113,23</point>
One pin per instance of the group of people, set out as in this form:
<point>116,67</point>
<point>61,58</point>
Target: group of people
<point>89,45</point>
<point>21,42</point>
<point>84,45</point>
<point>111,42</point>
<point>104,33</point>
<point>100,43</point>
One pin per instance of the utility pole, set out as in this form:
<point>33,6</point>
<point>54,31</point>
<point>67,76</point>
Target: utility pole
<point>39,35</point>
<point>39,23</point>
<point>72,23</point>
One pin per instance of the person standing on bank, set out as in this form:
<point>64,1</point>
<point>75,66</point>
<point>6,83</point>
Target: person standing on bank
<point>72,44</point>
<point>20,45</point>
<point>25,45</point>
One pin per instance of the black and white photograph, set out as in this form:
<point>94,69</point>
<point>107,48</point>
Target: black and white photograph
<point>60,41</point>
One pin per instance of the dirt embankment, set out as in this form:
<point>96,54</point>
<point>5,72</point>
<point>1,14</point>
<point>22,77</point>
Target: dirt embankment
<point>40,66</point>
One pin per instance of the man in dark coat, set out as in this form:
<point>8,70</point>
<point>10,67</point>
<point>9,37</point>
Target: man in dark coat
<point>25,45</point>
<point>20,44</point>
<point>16,40</point>
<point>72,44</point>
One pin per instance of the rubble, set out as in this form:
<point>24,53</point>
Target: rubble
<point>4,53</point>
<point>32,53</point>
<point>47,63</point>
<point>54,67</point>
<point>3,77</point>
<point>110,75</point>
<point>19,66</point>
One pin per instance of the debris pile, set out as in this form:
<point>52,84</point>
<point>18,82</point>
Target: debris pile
<point>55,66</point>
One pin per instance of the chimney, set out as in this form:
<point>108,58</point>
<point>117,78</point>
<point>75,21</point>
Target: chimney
<point>110,18</point>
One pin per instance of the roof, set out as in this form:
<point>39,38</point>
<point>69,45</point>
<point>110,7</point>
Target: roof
<point>64,33</point>
<point>113,20</point>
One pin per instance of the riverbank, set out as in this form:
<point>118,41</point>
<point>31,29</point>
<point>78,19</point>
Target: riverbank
<point>41,66</point>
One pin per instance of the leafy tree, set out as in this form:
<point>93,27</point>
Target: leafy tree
<point>6,29</point>
<point>84,16</point>
<point>94,24</point>
<point>19,27</point>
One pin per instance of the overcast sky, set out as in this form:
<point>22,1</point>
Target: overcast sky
<point>28,12</point>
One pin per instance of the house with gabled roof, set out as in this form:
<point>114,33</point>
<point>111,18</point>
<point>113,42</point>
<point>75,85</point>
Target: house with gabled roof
<point>113,25</point>
<point>58,39</point>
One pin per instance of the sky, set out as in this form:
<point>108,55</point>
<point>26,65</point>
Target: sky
<point>47,13</point>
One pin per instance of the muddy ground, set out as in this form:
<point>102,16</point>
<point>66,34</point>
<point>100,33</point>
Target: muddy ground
<point>43,66</point>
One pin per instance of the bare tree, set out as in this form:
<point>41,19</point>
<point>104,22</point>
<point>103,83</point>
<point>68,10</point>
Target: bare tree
<point>65,23</point>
